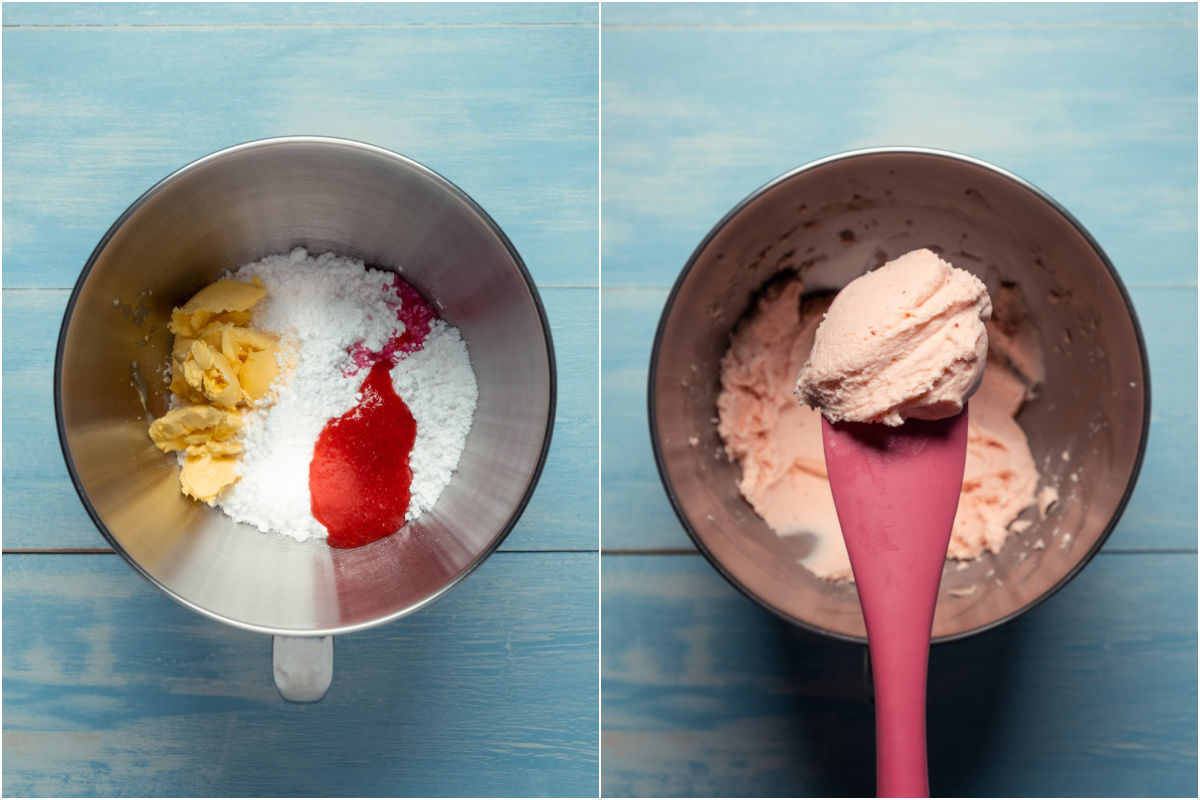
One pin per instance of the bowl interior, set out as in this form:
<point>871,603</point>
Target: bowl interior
<point>834,220</point>
<point>238,206</point>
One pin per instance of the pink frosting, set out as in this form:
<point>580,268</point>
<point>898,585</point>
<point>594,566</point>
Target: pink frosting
<point>904,341</point>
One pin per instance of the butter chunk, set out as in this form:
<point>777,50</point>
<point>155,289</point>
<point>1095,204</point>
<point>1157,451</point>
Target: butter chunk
<point>217,364</point>
<point>203,477</point>
<point>237,343</point>
<point>226,295</point>
<point>215,448</point>
<point>223,301</point>
<point>259,371</point>
<point>210,334</point>
<point>191,324</point>
<point>210,373</point>
<point>257,357</point>
<point>179,384</point>
<point>253,355</point>
<point>193,424</point>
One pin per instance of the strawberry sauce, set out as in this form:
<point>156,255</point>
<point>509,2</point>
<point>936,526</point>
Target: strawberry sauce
<point>360,479</point>
<point>412,309</point>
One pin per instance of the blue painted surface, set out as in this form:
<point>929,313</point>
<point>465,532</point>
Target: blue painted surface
<point>1092,693</point>
<point>308,14</point>
<point>892,16</point>
<point>1102,117</point>
<point>110,688</point>
<point>707,695</point>
<point>94,116</point>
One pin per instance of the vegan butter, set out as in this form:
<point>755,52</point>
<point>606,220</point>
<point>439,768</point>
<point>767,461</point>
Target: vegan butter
<point>219,365</point>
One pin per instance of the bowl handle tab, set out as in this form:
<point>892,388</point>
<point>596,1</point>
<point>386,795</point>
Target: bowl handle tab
<point>303,667</point>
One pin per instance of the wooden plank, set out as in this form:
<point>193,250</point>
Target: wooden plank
<point>42,510</point>
<point>1100,116</point>
<point>1162,511</point>
<point>509,113</point>
<point>110,688</point>
<point>1091,694</point>
<point>893,15</point>
<point>636,514</point>
<point>634,510</point>
<point>564,511</point>
<point>293,14</point>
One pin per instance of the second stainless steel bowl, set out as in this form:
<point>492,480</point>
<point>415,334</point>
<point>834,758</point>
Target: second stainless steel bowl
<point>834,219</point>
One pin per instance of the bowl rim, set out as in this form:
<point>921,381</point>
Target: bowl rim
<point>288,141</point>
<point>1055,206</point>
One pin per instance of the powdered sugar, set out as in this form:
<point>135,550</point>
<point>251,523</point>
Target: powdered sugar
<point>328,311</point>
<point>438,385</point>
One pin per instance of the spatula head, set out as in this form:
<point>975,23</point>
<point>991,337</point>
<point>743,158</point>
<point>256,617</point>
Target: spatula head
<point>896,491</point>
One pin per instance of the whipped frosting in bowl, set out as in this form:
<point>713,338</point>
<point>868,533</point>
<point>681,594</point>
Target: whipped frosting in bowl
<point>775,441</point>
<point>905,341</point>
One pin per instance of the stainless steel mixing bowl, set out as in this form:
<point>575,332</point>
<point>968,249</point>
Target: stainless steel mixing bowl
<point>832,220</point>
<point>236,206</point>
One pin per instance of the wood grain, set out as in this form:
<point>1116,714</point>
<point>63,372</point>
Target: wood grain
<point>1101,116</point>
<point>508,113</point>
<point>890,16</point>
<point>706,694</point>
<point>113,689</point>
<point>110,688</point>
<point>278,15</point>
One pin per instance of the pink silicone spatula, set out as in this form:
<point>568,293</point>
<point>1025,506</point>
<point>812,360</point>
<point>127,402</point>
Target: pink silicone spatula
<point>896,490</point>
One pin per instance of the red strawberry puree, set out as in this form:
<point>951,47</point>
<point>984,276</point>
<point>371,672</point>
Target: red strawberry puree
<point>417,315</point>
<point>359,478</point>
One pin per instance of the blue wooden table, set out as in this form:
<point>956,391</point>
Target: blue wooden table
<point>704,693</point>
<point>110,688</point>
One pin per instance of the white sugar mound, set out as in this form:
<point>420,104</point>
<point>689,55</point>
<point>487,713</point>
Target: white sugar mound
<point>438,385</point>
<point>321,307</point>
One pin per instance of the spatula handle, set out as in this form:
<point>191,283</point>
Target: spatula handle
<point>899,665</point>
<point>896,493</point>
